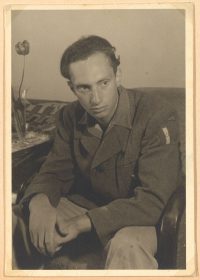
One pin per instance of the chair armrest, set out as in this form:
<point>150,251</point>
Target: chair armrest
<point>38,163</point>
<point>168,230</point>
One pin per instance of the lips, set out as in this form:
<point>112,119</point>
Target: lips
<point>98,109</point>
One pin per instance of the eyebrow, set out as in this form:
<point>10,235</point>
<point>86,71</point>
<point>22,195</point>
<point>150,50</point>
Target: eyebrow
<point>87,85</point>
<point>82,85</point>
<point>105,79</point>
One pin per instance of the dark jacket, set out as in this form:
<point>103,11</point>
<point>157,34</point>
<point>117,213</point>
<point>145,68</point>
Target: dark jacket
<point>124,179</point>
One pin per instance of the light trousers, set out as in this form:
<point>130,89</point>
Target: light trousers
<point>132,247</point>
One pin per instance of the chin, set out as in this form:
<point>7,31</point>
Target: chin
<point>99,115</point>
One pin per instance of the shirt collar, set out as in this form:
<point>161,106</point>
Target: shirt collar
<point>122,115</point>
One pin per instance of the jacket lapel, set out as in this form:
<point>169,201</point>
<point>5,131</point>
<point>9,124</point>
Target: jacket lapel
<point>90,143</point>
<point>87,141</point>
<point>113,142</point>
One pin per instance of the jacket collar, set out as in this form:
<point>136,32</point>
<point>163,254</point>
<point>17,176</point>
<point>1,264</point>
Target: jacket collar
<point>122,115</point>
<point>115,138</point>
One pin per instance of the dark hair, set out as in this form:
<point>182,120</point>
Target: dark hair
<point>85,47</point>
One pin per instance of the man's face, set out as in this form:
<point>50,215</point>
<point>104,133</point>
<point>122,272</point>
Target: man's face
<point>95,84</point>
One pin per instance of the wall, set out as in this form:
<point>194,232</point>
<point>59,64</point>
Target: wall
<point>150,43</point>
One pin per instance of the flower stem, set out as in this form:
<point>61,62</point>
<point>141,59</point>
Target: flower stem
<point>22,79</point>
<point>17,122</point>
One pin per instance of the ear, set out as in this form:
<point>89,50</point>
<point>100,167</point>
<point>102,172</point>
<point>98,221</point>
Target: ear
<point>118,76</point>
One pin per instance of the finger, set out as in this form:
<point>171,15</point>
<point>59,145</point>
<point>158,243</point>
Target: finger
<point>31,236</point>
<point>37,238</point>
<point>34,238</point>
<point>58,239</point>
<point>31,232</point>
<point>41,245</point>
<point>58,248</point>
<point>49,240</point>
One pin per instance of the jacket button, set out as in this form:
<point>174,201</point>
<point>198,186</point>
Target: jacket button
<point>100,168</point>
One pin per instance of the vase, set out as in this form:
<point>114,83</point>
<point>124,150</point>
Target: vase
<point>19,114</point>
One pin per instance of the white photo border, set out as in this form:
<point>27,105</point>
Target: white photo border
<point>190,179</point>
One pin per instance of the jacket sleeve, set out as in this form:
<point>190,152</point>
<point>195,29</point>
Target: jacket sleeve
<point>57,173</point>
<point>158,174</point>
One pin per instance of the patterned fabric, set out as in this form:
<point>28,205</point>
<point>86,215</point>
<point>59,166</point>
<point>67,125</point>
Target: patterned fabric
<point>41,114</point>
<point>40,124</point>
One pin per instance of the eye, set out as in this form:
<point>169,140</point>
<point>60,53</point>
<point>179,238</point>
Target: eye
<point>83,89</point>
<point>105,83</point>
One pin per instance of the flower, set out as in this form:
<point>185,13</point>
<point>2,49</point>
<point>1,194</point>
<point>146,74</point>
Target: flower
<point>22,48</point>
<point>19,104</point>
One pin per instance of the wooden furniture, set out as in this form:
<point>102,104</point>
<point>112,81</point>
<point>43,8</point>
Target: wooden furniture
<point>26,162</point>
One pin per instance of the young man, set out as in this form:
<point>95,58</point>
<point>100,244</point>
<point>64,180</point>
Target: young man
<point>112,168</point>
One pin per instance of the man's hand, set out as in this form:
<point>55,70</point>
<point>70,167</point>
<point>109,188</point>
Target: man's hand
<point>68,230</point>
<point>42,223</point>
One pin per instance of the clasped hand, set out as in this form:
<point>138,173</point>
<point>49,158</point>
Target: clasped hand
<point>49,230</point>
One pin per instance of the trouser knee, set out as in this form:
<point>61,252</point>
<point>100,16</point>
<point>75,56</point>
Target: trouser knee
<point>132,247</point>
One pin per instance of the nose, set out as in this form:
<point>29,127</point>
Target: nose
<point>95,99</point>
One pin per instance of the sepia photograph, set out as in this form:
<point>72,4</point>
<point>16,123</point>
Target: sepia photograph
<point>99,140</point>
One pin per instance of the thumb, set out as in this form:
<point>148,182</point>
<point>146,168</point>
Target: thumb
<point>60,226</point>
<point>69,237</point>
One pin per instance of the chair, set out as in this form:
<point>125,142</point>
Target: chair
<point>171,227</point>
